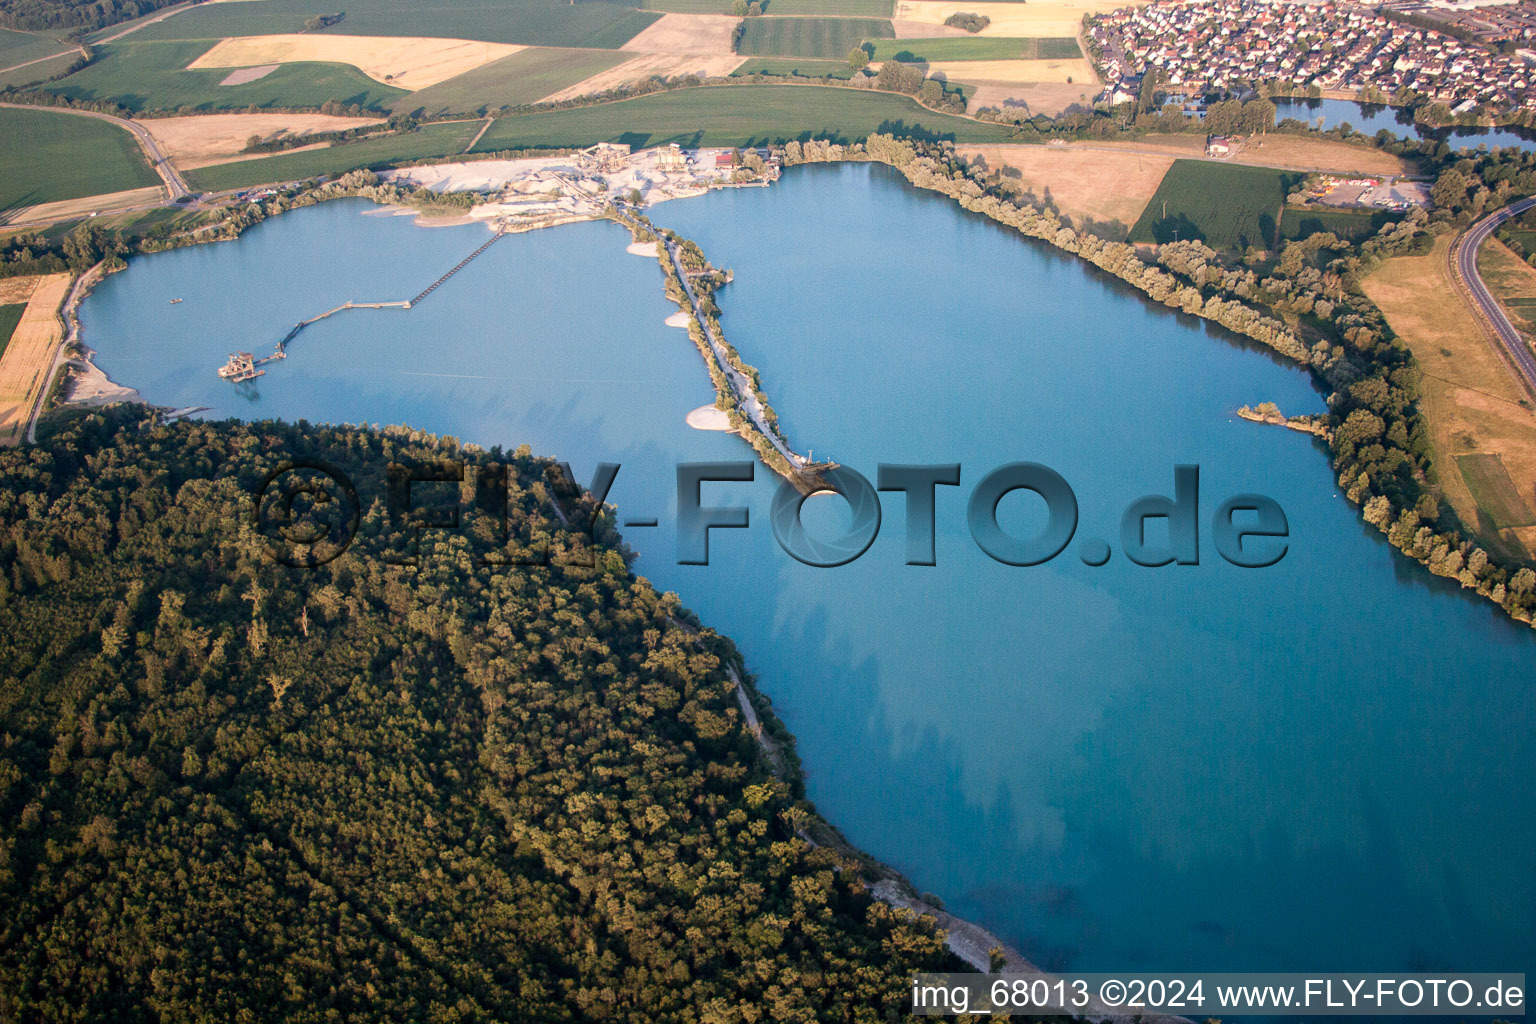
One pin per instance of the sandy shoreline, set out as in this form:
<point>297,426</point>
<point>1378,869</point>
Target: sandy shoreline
<point>707,417</point>
<point>423,218</point>
<point>90,385</point>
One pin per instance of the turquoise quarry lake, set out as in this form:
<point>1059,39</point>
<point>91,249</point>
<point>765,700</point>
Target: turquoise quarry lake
<point>1323,765</point>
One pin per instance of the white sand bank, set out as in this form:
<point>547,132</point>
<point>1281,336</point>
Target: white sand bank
<point>707,417</point>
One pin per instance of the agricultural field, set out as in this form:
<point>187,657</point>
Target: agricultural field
<point>1288,152</point>
<point>687,33</point>
<point>49,156</point>
<point>525,77</point>
<point>778,8</point>
<point>642,67</point>
<point>734,115</point>
<point>958,48</point>
<point>153,76</point>
<point>1017,72</point>
<point>1494,491</point>
<point>86,206</point>
<point>133,225</point>
<point>214,138</point>
<point>17,47</point>
<point>1102,191</point>
<point>1355,225</point>
<point>715,116</point>
<point>1048,98</point>
<point>592,23</point>
<point>28,358</point>
<point>1507,276</point>
<point>1472,402</point>
<point>1226,206</point>
<point>827,38</point>
<point>834,8</point>
<point>1512,282</point>
<point>10,316</point>
<point>686,6</point>
<point>431,140</point>
<point>1038,18</point>
<point>403,62</point>
<point>793,66</point>
<point>21,77</point>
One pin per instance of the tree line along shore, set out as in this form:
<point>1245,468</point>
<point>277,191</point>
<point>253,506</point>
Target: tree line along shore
<point>371,791</point>
<point>1303,300</point>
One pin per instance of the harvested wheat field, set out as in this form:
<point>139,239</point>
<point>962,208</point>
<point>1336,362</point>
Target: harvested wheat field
<point>1037,18</point>
<point>1015,72</point>
<point>28,359</point>
<point>1084,184</point>
<point>206,139</point>
<point>244,76</point>
<point>1470,397</point>
<point>650,65</point>
<point>90,204</point>
<point>924,30</point>
<point>15,290</point>
<point>1288,152</point>
<point>406,62</point>
<point>686,33</point>
<point>1049,98</point>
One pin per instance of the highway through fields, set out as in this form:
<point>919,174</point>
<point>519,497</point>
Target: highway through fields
<point>174,183</point>
<point>1464,263</point>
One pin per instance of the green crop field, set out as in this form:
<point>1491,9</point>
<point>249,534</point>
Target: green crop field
<point>975,48</point>
<point>16,47</point>
<point>779,8</point>
<point>10,316</point>
<point>591,23</point>
<point>686,6</point>
<point>713,116</point>
<point>792,66</point>
<point>26,47</point>
<point>1227,206</point>
<point>48,156</point>
<point>1355,225</point>
<point>734,115</point>
<point>524,77</point>
<point>433,140</point>
<point>828,38</point>
<point>39,72</point>
<point>153,76</point>
<point>1495,492</point>
<point>1527,239</point>
<point>833,8</point>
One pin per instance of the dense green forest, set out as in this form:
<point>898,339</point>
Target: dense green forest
<point>68,14</point>
<point>237,791</point>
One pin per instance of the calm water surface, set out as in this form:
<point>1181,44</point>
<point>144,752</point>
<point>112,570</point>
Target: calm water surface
<point>1322,765</point>
<point>1370,118</point>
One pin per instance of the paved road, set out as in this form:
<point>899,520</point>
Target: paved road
<point>159,161</point>
<point>1464,262</point>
